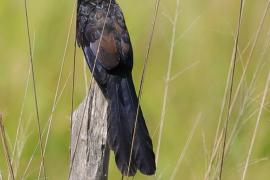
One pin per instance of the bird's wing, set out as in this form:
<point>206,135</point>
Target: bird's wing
<point>110,43</point>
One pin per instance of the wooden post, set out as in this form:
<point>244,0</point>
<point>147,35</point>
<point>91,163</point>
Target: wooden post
<point>92,153</point>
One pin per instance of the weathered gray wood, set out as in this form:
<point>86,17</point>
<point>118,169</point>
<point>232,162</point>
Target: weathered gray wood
<point>92,154</point>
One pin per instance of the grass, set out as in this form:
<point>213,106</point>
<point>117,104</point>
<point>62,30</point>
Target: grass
<point>168,77</point>
<point>6,149</point>
<point>256,126</point>
<point>35,91</point>
<point>190,54</point>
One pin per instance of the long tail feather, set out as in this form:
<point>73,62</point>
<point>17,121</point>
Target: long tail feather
<point>123,105</point>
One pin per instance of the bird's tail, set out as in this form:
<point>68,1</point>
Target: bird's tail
<point>123,104</point>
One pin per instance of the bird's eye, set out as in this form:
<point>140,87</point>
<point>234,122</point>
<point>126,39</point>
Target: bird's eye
<point>100,5</point>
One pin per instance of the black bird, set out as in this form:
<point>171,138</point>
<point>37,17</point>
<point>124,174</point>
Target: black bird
<point>102,34</point>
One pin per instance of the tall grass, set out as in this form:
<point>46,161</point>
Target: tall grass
<point>230,134</point>
<point>6,149</point>
<point>35,90</point>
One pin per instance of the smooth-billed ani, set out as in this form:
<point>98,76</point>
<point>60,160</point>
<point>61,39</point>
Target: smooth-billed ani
<point>103,36</point>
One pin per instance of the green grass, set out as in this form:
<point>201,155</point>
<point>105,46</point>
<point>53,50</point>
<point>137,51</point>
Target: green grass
<point>204,34</point>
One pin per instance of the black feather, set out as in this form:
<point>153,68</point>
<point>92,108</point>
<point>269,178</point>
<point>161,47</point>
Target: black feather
<point>123,105</point>
<point>113,65</point>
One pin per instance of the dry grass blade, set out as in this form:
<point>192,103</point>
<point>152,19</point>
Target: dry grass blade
<point>184,70</point>
<point>250,90</point>
<point>224,102</point>
<point>237,123</point>
<point>234,57</point>
<point>259,29</point>
<point>72,104</point>
<point>168,77</point>
<point>88,93</point>
<point>143,75</point>
<point>58,83</point>
<point>29,163</point>
<point>256,126</point>
<point>255,162</point>
<point>20,122</point>
<point>182,155</point>
<point>36,148</point>
<point>21,114</point>
<point>5,147</point>
<point>85,68</point>
<point>188,29</point>
<point>34,88</point>
<point>71,113</point>
<point>226,92</point>
<point>232,102</point>
<point>262,61</point>
<point>215,150</point>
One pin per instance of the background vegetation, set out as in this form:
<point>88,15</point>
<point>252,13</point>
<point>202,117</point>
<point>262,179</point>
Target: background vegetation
<point>204,43</point>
